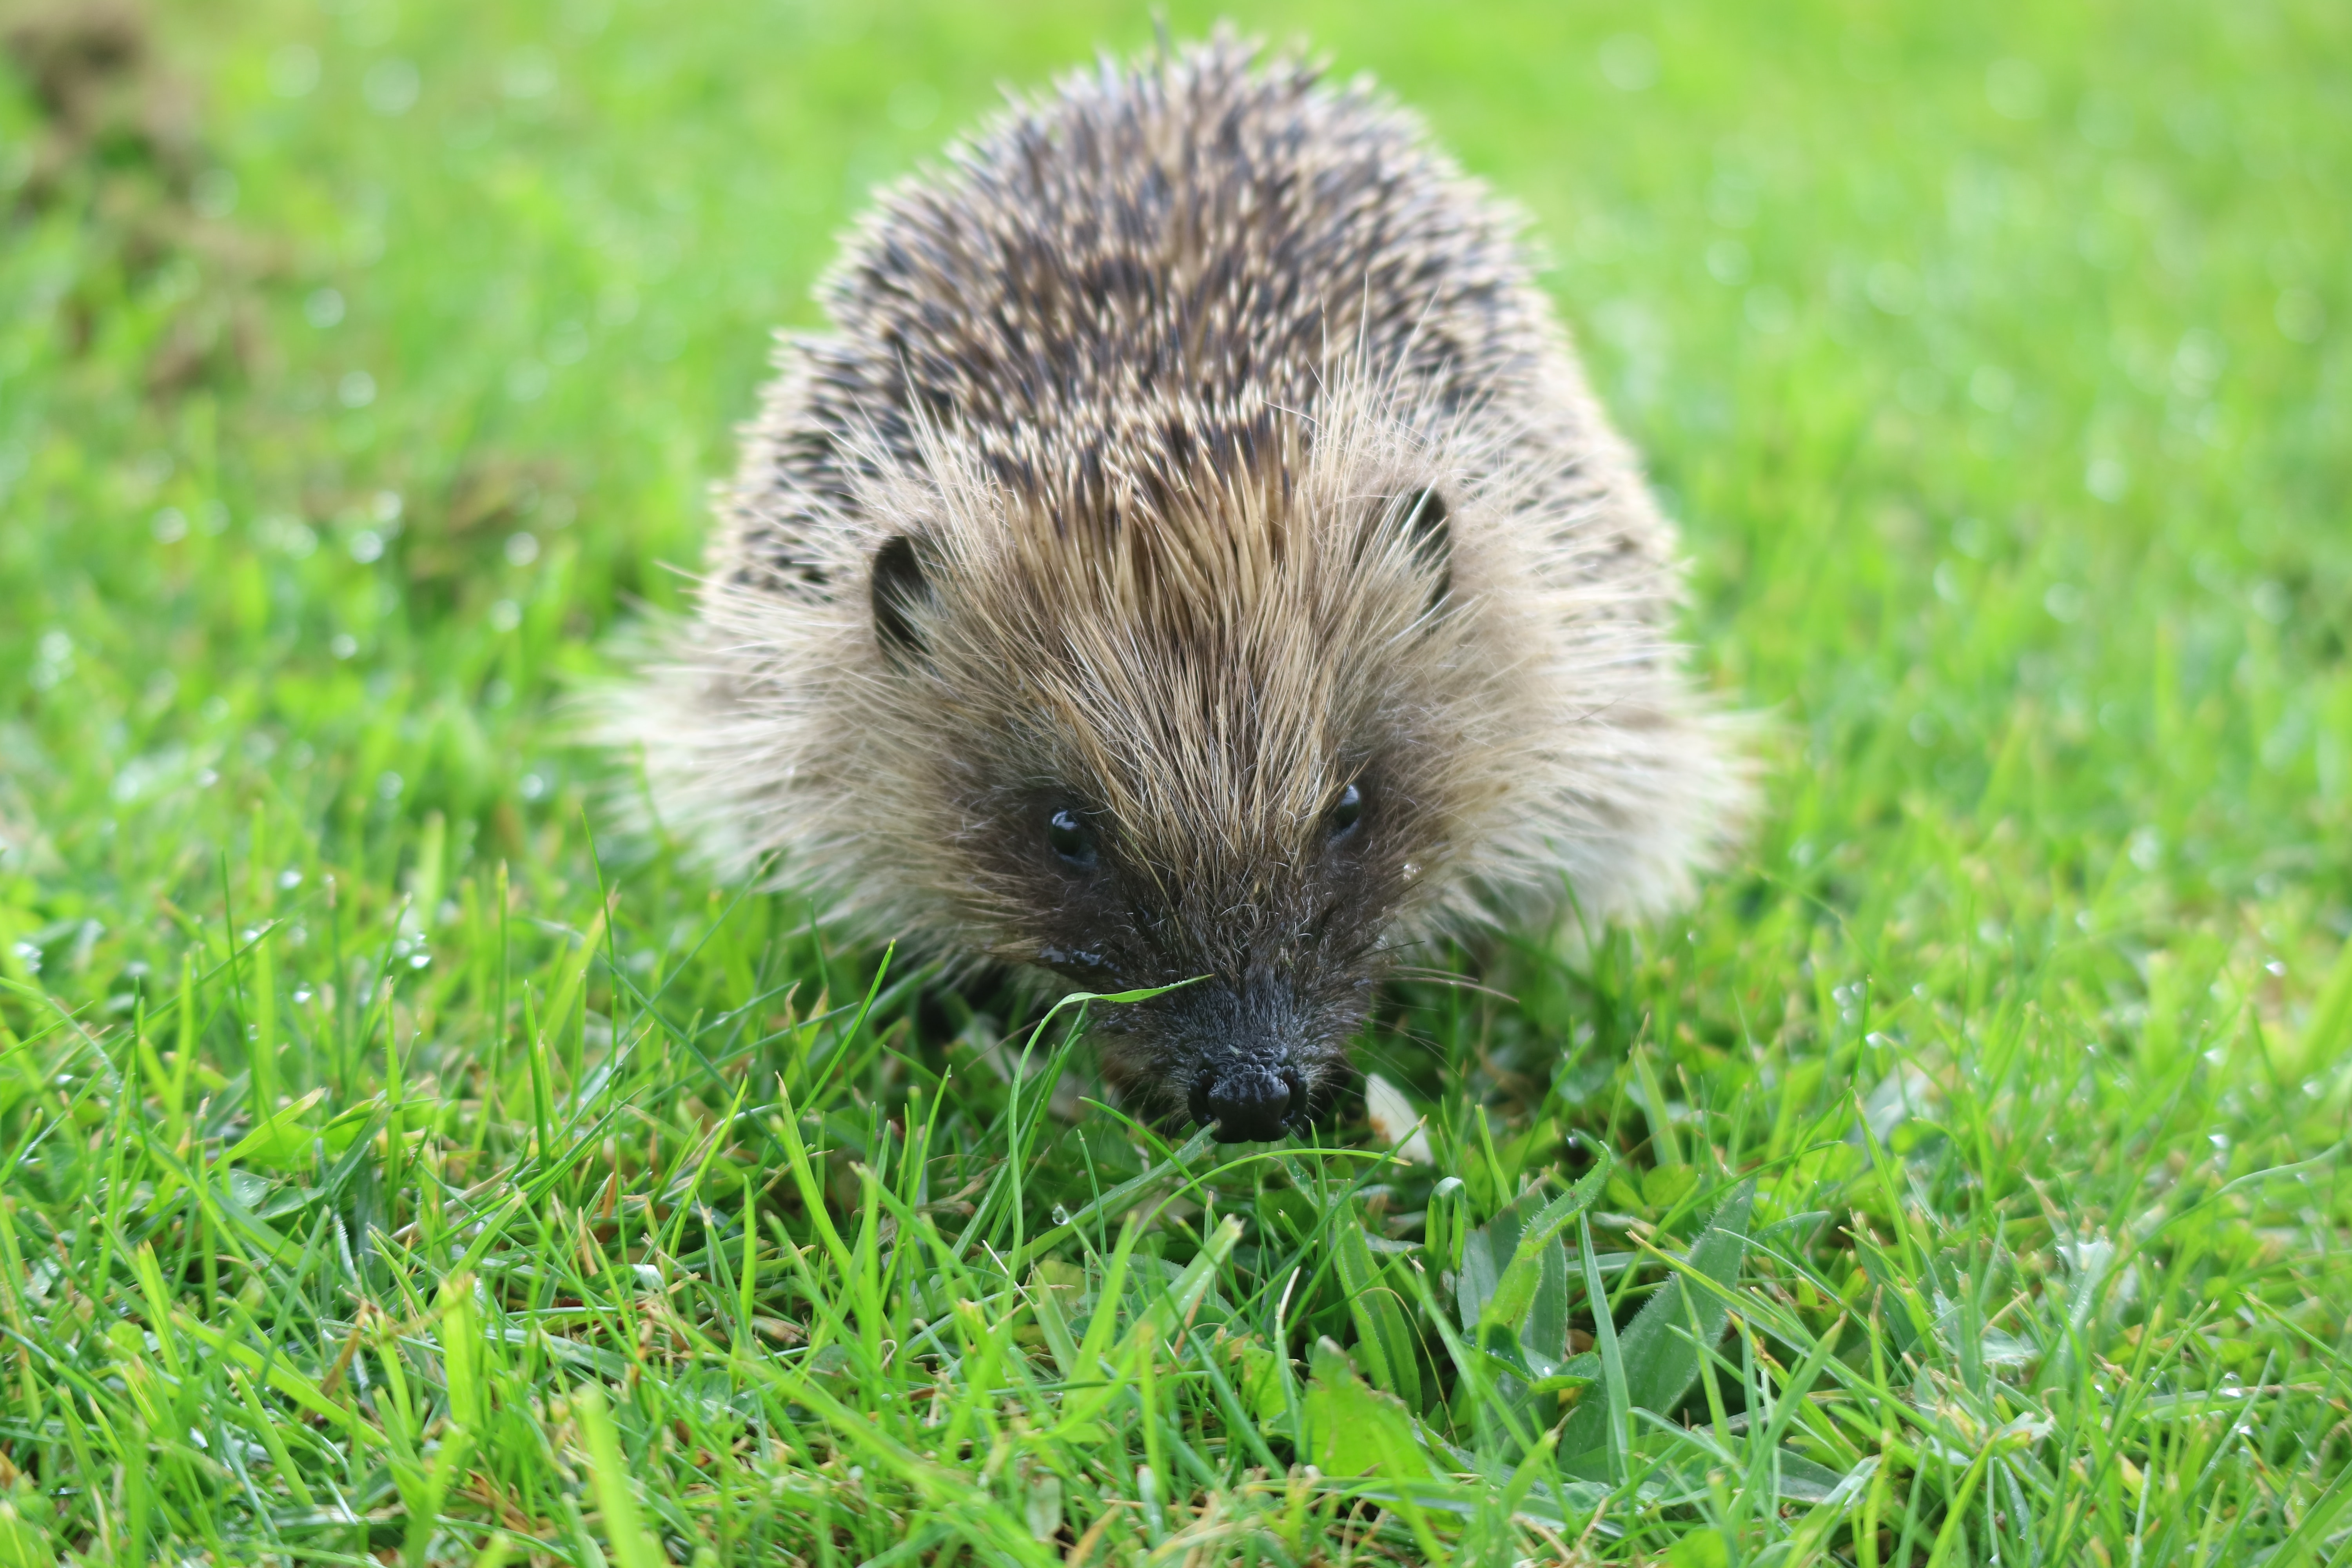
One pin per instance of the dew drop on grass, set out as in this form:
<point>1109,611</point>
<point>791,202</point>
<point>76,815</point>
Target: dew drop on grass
<point>1061,1215</point>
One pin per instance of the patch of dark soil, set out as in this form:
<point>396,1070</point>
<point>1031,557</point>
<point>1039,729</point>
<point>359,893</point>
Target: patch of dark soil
<point>119,150</point>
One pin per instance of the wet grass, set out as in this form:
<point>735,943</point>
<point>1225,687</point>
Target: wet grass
<point>396,1162</point>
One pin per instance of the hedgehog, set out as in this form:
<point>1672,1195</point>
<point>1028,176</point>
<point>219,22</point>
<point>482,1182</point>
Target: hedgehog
<point>1192,562</point>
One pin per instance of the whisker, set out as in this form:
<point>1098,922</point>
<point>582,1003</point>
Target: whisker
<point>1460,982</point>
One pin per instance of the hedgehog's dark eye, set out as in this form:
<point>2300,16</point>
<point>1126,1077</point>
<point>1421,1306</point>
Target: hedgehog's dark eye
<point>1067,832</point>
<point>1346,812</point>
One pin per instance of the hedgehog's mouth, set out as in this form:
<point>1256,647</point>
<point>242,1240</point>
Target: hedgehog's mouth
<point>1249,1101</point>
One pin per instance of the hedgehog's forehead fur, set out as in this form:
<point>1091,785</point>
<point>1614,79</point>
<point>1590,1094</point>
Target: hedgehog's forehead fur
<point>1202,660</point>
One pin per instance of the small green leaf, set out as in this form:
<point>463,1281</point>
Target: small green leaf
<point>1260,1383</point>
<point>1356,1430</point>
<point>1799,1479</point>
<point>1904,1314</point>
<point>1533,1284</point>
<point>461,1352</point>
<point>1667,1185</point>
<point>1506,1353</point>
<point>1056,1289</point>
<point>1660,1360</point>
<point>1185,1294</point>
<point>25,1519</point>
<point>1382,1334</point>
<point>280,1140</point>
<point>1701,1548</point>
<point>608,1474</point>
<point>1447,1223</point>
<point>345,1126</point>
<point>1042,1507</point>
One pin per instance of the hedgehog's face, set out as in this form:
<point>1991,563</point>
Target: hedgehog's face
<point>1167,774</point>
<point>1282,952</point>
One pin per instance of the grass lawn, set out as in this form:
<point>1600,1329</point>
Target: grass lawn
<point>399,1162</point>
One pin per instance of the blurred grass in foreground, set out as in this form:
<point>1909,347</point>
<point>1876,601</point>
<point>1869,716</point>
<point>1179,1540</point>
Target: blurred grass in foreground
<point>382,1172</point>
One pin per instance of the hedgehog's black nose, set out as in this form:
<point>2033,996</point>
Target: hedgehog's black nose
<point>1249,1102</point>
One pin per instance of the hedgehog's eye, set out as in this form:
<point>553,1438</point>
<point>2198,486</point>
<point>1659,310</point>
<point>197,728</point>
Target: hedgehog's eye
<point>1067,832</point>
<point>1346,812</point>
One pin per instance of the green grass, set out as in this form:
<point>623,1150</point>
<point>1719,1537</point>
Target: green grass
<point>397,1160</point>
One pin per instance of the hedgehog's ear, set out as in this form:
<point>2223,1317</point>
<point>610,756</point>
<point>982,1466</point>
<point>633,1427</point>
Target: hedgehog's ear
<point>1419,524</point>
<point>901,591</point>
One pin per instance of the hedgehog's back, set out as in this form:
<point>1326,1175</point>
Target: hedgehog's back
<point>1156,263</point>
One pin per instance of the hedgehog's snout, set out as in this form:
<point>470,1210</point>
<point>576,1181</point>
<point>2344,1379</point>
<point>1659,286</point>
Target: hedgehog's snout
<point>1249,1101</point>
<point>1248,1050</point>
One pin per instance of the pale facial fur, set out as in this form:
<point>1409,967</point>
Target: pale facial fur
<point>1195,558</point>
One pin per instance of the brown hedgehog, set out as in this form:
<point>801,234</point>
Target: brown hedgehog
<point>1193,555</point>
